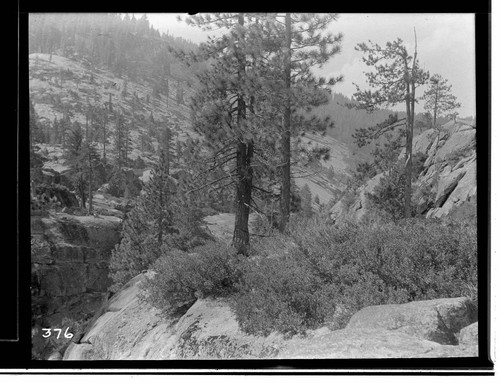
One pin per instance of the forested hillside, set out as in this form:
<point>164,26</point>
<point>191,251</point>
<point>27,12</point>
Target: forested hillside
<point>126,46</point>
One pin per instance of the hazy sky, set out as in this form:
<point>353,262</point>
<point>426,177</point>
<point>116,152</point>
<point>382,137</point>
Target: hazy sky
<point>445,46</point>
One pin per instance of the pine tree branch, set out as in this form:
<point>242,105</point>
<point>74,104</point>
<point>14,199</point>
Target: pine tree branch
<point>223,186</point>
<point>262,190</point>
<point>307,175</point>
<point>208,184</point>
<point>220,164</point>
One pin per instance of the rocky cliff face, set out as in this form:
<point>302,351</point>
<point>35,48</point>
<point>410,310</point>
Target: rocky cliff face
<point>69,267</point>
<point>131,329</point>
<point>448,175</point>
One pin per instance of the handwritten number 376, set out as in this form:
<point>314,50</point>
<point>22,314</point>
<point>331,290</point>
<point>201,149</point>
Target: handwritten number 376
<point>48,332</point>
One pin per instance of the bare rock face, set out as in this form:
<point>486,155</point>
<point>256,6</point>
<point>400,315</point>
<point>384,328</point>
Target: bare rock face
<point>449,171</point>
<point>129,328</point>
<point>354,343</point>
<point>69,266</point>
<point>209,330</point>
<point>438,320</point>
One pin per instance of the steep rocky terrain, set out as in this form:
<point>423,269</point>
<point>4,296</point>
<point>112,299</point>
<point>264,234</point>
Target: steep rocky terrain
<point>131,329</point>
<point>448,175</point>
<point>69,268</point>
<point>59,85</point>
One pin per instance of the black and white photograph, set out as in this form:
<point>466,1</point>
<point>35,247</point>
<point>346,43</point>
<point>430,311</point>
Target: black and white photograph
<point>254,186</point>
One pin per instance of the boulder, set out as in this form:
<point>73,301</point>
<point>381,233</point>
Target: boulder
<point>469,335</point>
<point>368,343</point>
<point>438,320</point>
<point>209,330</point>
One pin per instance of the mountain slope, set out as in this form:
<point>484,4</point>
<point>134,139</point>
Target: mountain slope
<point>64,87</point>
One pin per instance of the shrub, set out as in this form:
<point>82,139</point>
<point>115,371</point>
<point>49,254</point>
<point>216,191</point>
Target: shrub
<point>50,196</point>
<point>331,272</point>
<point>280,294</point>
<point>180,278</point>
<point>397,255</point>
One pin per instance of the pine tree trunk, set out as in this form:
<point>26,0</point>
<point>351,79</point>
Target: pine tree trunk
<point>104,140</point>
<point>408,156</point>
<point>410,119</point>
<point>82,191</point>
<point>244,155</point>
<point>241,236</point>
<point>91,207</point>
<point>435,112</point>
<point>285,139</point>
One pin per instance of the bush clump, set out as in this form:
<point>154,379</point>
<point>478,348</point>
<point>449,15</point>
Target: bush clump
<point>179,278</point>
<point>280,294</point>
<point>334,271</point>
<point>321,274</point>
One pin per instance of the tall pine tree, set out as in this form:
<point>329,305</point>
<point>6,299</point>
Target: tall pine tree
<point>396,77</point>
<point>304,45</point>
<point>438,98</point>
<point>227,110</point>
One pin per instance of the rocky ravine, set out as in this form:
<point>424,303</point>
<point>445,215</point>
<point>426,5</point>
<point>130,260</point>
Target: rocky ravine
<point>449,174</point>
<point>129,328</point>
<point>69,267</point>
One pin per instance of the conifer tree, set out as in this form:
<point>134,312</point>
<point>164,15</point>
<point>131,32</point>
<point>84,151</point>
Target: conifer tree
<point>64,126</point>
<point>166,89</point>
<point>226,108</point>
<point>180,93</point>
<point>102,126</point>
<point>89,151</point>
<point>122,141</point>
<point>396,77</point>
<point>54,138</point>
<point>438,98</point>
<point>306,201</point>
<point>166,145</point>
<point>146,227</point>
<point>304,46</point>
<point>75,156</point>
